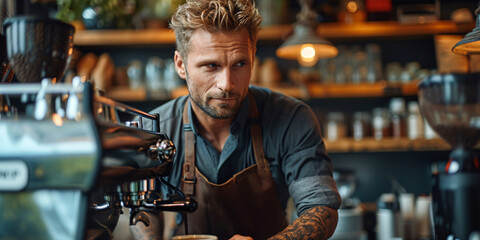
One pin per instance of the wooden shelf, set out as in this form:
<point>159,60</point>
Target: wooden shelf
<point>123,37</point>
<point>378,89</point>
<point>347,145</point>
<point>312,90</point>
<point>391,29</point>
<point>277,33</point>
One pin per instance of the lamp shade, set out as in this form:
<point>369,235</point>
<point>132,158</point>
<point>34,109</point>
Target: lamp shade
<point>470,44</point>
<point>305,35</point>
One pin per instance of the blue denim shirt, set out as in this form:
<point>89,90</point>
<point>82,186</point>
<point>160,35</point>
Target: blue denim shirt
<point>292,143</point>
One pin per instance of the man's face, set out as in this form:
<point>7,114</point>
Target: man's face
<point>217,71</point>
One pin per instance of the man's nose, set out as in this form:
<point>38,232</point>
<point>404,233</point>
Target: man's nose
<point>225,81</point>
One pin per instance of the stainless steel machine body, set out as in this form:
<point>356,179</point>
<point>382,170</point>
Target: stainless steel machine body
<point>46,170</point>
<point>66,156</point>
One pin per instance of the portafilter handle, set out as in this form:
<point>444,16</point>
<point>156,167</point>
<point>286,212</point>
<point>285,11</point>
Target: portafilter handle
<point>187,205</point>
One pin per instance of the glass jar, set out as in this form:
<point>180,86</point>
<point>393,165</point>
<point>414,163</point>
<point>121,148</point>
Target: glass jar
<point>336,127</point>
<point>381,123</point>
<point>415,121</point>
<point>398,117</point>
<point>154,70</point>
<point>374,63</point>
<point>135,74</point>
<point>361,125</point>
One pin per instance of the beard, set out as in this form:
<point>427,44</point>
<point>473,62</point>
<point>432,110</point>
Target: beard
<point>218,111</point>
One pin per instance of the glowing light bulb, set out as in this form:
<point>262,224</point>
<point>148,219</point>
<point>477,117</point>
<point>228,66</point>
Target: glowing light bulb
<point>308,52</point>
<point>352,7</point>
<point>308,56</point>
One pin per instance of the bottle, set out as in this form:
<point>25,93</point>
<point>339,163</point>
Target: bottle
<point>381,123</point>
<point>398,117</point>
<point>374,62</point>
<point>388,217</point>
<point>336,128</point>
<point>408,223</point>
<point>422,214</point>
<point>361,125</point>
<point>415,121</point>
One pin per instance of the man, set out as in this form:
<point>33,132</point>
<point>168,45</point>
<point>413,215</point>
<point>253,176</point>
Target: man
<point>242,150</point>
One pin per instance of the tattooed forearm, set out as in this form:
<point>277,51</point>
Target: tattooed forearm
<point>316,223</point>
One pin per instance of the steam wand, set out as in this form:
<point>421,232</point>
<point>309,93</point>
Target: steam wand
<point>180,203</point>
<point>182,196</point>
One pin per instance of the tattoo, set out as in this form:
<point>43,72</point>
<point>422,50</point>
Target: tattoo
<point>316,223</point>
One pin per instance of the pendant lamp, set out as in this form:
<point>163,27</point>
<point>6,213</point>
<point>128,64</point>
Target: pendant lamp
<point>305,45</point>
<point>470,44</point>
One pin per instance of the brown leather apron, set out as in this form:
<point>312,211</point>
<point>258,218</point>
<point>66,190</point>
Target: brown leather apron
<point>246,204</point>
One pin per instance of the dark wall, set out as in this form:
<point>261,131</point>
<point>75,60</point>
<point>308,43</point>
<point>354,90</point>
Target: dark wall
<point>376,171</point>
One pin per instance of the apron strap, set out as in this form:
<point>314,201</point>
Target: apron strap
<point>189,166</point>
<point>189,178</point>
<point>256,132</point>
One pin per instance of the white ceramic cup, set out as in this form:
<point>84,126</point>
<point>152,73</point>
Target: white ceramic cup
<point>195,237</point>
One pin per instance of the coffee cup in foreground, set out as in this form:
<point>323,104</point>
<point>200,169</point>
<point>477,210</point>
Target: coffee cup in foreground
<point>195,237</point>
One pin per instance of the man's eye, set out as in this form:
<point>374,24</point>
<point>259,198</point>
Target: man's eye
<point>241,64</point>
<point>212,65</point>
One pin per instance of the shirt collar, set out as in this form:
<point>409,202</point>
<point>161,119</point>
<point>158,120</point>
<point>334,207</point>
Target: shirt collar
<point>242,116</point>
<point>239,122</point>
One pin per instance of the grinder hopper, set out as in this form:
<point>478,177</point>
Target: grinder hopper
<point>38,47</point>
<point>450,103</point>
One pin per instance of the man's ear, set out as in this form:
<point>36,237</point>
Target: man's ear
<point>179,65</point>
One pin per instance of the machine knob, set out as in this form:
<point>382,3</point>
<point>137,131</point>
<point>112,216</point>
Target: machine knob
<point>164,150</point>
<point>167,150</point>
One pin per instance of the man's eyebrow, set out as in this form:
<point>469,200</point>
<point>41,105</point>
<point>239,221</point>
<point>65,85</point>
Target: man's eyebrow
<point>243,59</point>
<point>206,59</point>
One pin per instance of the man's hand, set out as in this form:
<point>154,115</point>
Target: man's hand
<point>240,237</point>
<point>315,223</point>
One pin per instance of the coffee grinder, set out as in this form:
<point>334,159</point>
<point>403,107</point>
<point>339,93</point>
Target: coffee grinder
<point>450,103</point>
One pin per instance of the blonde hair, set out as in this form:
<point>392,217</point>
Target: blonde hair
<point>213,16</point>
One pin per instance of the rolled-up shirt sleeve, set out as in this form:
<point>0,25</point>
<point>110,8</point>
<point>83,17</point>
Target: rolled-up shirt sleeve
<point>306,166</point>
<point>314,191</point>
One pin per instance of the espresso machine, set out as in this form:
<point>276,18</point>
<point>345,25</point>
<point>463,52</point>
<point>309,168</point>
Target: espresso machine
<point>70,158</point>
<point>450,103</point>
